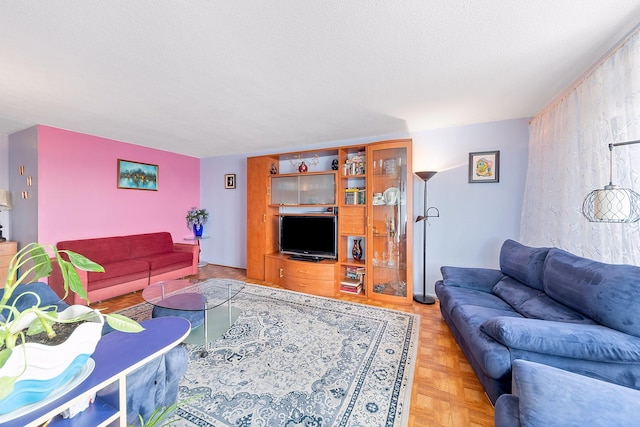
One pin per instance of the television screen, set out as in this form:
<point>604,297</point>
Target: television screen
<point>309,236</point>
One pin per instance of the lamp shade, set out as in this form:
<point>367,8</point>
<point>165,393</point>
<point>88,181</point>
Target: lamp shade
<point>612,205</point>
<point>5,200</point>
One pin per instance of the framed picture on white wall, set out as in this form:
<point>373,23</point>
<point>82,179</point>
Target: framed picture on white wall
<point>484,166</point>
<point>230,180</point>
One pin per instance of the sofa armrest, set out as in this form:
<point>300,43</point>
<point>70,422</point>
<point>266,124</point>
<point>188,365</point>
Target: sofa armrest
<point>550,396</point>
<point>481,279</point>
<point>573,340</point>
<point>194,249</point>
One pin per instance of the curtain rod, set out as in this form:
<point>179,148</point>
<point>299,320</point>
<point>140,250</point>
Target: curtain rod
<point>577,82</point>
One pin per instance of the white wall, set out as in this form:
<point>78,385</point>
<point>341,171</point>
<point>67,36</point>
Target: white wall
<point>474,218</point>
<point>227,208</point>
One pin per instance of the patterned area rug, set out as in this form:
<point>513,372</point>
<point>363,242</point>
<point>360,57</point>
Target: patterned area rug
<point>294,359</point>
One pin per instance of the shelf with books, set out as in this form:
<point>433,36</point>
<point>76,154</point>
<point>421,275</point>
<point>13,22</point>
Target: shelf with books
<point>353,280</point>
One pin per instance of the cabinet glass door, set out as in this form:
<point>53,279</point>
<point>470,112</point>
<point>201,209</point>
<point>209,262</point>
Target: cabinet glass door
<point>390,221</point>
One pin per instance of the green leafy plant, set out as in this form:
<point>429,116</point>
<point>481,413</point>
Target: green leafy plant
<point>196,216</point>
<point>164,414</point>
<point>33,261</point>
<point>160,415</point>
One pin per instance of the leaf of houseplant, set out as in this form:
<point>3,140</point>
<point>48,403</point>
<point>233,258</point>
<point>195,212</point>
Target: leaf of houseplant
<point>4,356</point>
<point>84,263</point>
<point>122,323</point>
<point>42,262</point>
<point>6,386</point>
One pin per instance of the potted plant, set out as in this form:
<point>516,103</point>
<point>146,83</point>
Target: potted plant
<point>30,371</point>
<point>195,220</point>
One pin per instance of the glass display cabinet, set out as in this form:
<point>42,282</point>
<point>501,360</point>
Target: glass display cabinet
<point>390,225</point>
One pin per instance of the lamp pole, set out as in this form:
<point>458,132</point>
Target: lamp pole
<point>424,298</point>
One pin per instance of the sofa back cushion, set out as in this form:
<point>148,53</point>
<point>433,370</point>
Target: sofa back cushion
<point>142,245</point>
<point>523,263</point>
<point>534,304</point>
<point>101,250</point>
<point>607,293</point>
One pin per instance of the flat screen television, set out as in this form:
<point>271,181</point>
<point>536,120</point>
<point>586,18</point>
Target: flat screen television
<point>309,237</point>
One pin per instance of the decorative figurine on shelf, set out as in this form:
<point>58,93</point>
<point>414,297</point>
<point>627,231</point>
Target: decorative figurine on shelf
<point>356,251</point>
<point>196,218</point>
<point>334,164</point>
<point>302,164</point>
<point>274,169</point>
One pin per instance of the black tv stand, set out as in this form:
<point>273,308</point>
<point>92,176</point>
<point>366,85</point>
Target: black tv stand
<point>305,258</point>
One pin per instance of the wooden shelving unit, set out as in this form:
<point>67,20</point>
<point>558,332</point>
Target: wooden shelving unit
<point>351,188</point>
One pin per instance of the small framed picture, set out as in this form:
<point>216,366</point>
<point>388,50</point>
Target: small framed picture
<point>484,166</point>
<point>230,180</point>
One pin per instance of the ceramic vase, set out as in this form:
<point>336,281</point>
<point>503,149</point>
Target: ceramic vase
<point>197,229</point>
<point>356,251</point>
<point>49,367</point>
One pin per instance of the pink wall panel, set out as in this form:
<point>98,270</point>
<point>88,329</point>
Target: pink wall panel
<point>78,195</point>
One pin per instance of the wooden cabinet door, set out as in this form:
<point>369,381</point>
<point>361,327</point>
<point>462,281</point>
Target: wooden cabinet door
<point>390,228</point>
<point>261,220</point>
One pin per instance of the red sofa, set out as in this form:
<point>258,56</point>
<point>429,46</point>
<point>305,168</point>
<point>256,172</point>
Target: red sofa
<point>130,263</point>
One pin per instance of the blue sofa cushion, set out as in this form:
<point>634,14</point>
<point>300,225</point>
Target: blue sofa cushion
<point>549,396</point>
<point>493,357</point>
<point>535,304</point>
<point>514,292</point>
<point>25,298</point>
<point>453,297</point>
<point>523,263</point>
<point>607,293</point>
<point>577,341</point>
<point>481,279</point>
<point>543,307</point>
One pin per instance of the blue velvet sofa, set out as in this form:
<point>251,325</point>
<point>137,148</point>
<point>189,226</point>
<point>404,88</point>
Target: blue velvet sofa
<point>547,396</point>
<point>149,387</point>
<point>548,306</point>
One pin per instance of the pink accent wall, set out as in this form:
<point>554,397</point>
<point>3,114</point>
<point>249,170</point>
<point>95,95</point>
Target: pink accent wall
<point>78,196</point>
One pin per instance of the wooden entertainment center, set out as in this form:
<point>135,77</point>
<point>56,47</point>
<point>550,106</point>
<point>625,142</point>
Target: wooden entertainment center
<point>369,190</point>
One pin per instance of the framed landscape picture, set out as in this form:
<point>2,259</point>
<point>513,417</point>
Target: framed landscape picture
<point>484,166</point>
<point>137,176</point>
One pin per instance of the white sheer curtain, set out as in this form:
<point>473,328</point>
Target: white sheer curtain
<point>569,157</point>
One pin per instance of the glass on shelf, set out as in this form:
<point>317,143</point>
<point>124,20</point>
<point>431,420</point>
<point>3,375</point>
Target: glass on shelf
<point>389,222</point>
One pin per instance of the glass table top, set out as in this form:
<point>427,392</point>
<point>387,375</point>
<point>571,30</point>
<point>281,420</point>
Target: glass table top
<point>185,295</point>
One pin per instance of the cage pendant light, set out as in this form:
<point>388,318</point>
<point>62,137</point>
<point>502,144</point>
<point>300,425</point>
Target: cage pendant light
<point>612,204</point>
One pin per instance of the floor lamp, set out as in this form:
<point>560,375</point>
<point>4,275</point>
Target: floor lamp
<point>424,298</point>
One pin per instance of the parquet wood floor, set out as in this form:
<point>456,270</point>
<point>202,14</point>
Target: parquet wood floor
<point>445,390</point>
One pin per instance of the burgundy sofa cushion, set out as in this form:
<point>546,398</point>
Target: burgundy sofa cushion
<point>120,269</point>
<point>119,280</point>
<point>143,245</point>
<point>101,250</point>
<point>166,260</point>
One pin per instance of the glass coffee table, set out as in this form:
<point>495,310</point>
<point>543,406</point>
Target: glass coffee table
<point>207,305</point>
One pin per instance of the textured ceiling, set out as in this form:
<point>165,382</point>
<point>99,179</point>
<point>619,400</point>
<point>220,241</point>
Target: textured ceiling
<point>207,78</point>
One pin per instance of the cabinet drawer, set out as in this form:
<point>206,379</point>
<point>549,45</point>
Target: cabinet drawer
<point>352,230</point>
<point>5,260</point>
<point>8,248</point>
<point>352,224</point>
<point>309,285</point>
<point>304,270</point>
